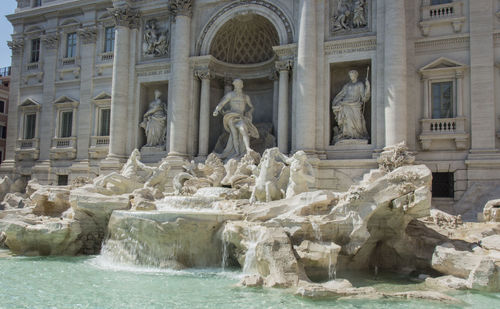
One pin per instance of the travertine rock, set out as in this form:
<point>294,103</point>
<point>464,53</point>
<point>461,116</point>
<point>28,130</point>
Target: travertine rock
<point>491,242</point>
<point>491,211</point>
<point>265,251</point>
<point>315,255</point>
<point>41,235</point>
<point>446,283</point>
<point>13,201</point>
<point>50,201</point>
<point>142,199</point>
<point>447,260</point>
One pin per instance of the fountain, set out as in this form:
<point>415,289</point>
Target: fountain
<point>214,217</point>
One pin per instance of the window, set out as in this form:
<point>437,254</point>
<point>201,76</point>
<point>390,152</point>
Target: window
<point>62,180</point>
<point>37,3</point>
<point>437,2</point>
<point>3,132</point>
<point>104,122</point>
<point>442,100</point>
<point>442,185</point>
<point>66,123</point>
<point>30,126</point>
<point>109,39</point>
<point>2,107</point>
<point>71,45</point>
<point>35,50</point>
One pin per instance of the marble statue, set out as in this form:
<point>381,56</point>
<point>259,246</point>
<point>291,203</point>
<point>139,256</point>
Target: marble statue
<point>237,121</point>
<point>155,41</point>
<point>348,108</point>
<point>272,177</point>
<point>359,19</point>
<point>155,122</point>
<point>301,174</point>
<point>132,176</point>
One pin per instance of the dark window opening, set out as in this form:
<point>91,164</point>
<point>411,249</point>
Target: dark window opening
<point>62,180</point>
<point>442,185</point>
<point>2,107</point>
<point>35,50</point>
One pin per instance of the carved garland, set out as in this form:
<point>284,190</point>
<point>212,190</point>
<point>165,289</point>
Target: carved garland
<point>126,17</point>
<point>88,35</point>
<point>50,40</point>
<point>235,4</point>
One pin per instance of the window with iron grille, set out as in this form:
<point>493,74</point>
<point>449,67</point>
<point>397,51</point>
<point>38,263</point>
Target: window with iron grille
<point>35,50</point>
<point>109,39</point>
<point>71,45</point>
<point>30,126</point>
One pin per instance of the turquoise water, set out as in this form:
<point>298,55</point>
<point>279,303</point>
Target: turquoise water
<point>92,282</point>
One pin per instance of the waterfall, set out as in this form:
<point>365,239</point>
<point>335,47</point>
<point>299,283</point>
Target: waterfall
<point>225,252</point>
<point>255,237</point>
<point>317,230</point>
<point>332,269</point>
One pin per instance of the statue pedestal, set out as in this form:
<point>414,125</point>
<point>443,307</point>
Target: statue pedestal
<point>153,154</point>
<point>347,142</point>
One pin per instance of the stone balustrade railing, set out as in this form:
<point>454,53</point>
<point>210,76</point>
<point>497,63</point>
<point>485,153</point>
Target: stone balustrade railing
<point>27,143</point>
<point>64,142</point>
<point>447,10</point>
<point>99,141</point>
<point>443,125</point>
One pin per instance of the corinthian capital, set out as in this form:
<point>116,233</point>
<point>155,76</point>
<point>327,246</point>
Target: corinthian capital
<point>204,74</point>
<point>181,7</point>
<point>126,17</point>
<point>16,46</point>
<point>284,65</point>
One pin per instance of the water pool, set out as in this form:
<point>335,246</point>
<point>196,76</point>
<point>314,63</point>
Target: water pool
<point>93,282</point>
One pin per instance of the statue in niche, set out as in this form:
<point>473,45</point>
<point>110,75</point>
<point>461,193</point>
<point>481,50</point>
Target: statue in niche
<point>349,14</point>
<point>237,121</point>
<point>155,41</point>
<point>348,109</point>
<point>155,122</point>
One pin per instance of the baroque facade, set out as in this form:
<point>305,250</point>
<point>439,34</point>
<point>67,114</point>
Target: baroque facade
<point>92,79</point>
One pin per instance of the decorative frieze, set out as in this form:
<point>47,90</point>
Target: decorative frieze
<point>149,70</point>
<point>126,17</point>
<point>16,46</point>
<point>181,7</point>
<point>349,16</point>
<point>351,46</point>
<point>50,40</point>
<point>451,43</point>
<point>88,35</point>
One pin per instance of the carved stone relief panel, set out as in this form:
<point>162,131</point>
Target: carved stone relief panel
<point>348,16</point>
<point>156,37</point>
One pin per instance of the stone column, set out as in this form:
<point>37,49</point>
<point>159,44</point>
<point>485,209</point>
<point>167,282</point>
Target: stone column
<point>395,72</point>
<point>305,108</point>
<point>179,105</point>
<point>125,19</point>
<point>283,68</point>
<point>205,76</point>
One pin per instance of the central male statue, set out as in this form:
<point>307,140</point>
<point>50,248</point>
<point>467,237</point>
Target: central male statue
<point>237,121</point>
<point>348,106</point>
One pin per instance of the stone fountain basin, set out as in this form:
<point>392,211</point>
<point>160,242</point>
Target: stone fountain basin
<point>167,239</point>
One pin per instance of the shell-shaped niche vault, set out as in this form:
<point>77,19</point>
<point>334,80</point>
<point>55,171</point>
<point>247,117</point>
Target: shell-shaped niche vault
<point>245,39</point>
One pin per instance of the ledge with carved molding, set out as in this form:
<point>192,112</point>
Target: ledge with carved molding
<point>63,148</point>
<point>99,147</point>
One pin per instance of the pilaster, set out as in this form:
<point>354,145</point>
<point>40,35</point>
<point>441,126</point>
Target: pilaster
<point>283,67</point>
<point>205,76</point>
